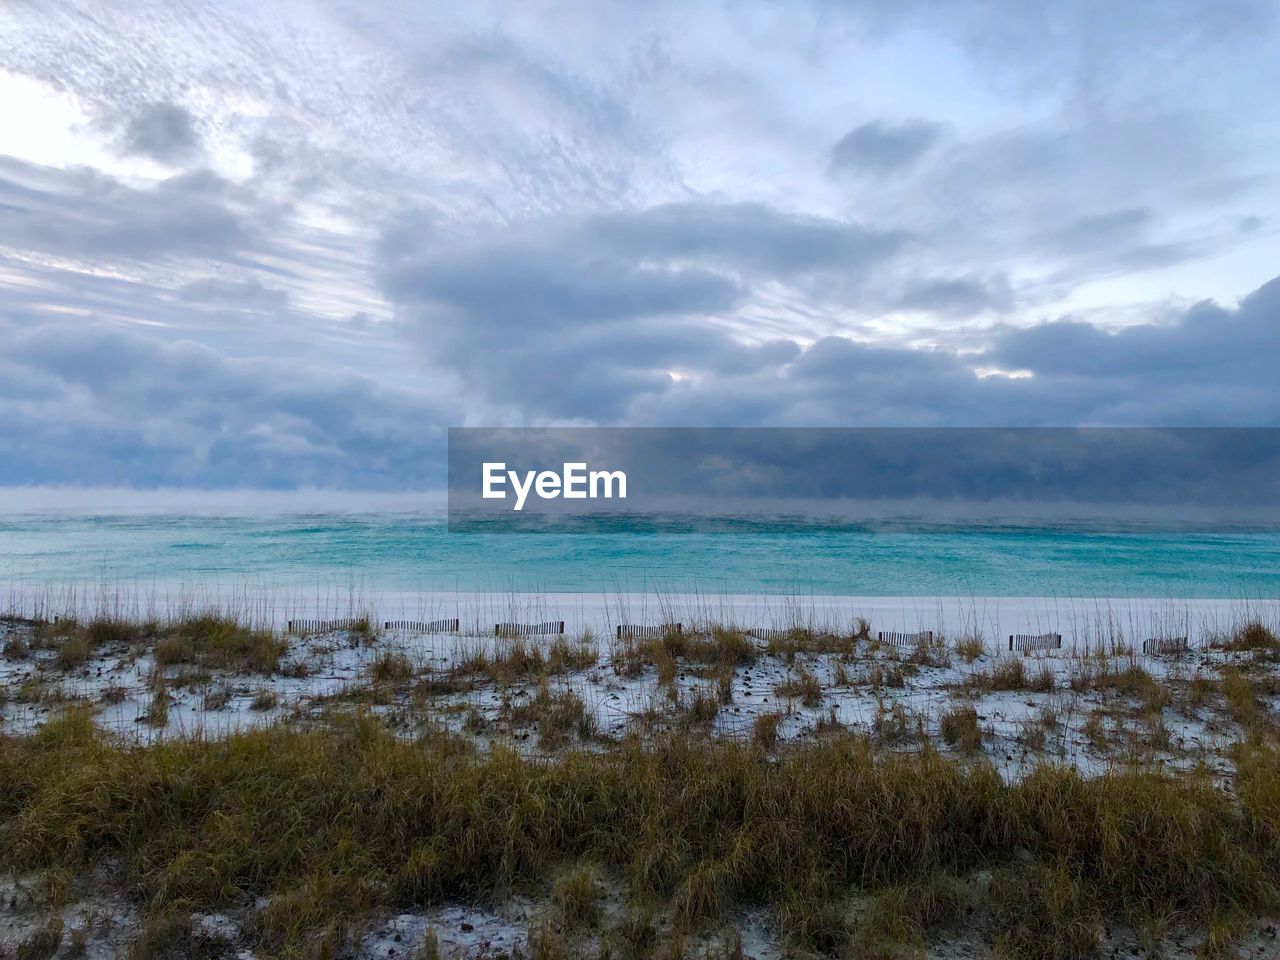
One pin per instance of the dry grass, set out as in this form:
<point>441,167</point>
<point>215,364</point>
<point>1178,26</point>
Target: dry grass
<point>331,825</point>
<point>264,700</point>
<point>1242,701</point>
<point>42,943</point>
<point>970,647</point>
<point>158,711</point>
<point>565,657</point>
<point>959,728</point>
<point>1043,680</point>
<point>896,725</point>
<point>557,716</point>
<point>217,698</point>
<point>391,667</point>
<point>855,849</point>
<point>887,675</point>
<point>1134,683</point>
<point>216,641</point>
<point>15,648</point>
<point>575,895</point>
<point>1254,637</point>
<point>704,707</point>
<point>1009,673</point>
<point>802,686</point>
<point>804,640</point>
<point>764,730</point>
<point>74,652</point>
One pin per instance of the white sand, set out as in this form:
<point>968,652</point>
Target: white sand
<point>1084,622</point>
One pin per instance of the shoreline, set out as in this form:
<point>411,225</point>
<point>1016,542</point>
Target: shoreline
<point>1083,622</point>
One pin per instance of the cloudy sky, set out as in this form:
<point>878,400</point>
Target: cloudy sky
<point>285,244</point>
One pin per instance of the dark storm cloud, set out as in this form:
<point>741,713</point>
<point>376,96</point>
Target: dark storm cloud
<point>880,147</point>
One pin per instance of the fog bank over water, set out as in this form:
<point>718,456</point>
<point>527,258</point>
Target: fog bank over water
<point>193,501</point>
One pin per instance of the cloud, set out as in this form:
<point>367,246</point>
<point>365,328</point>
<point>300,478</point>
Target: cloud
<point>103,406</point>
<point>545,316</point>
<point>623,318</point>
<point>249,294</point>
<point>81,213</point>
<point>1206,346</point>
<point>1207,366</point>
<point>164,132</point>
<point>880,147</point>
<point>743,237</point>
<point>99,405</point>
<point>962,296</point>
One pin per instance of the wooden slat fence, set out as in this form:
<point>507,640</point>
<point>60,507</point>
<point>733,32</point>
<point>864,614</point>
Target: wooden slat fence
<point>897,639</point>
<point>528,629</point>
<point>1026,642</point>
<point>448,625</point>
<point>326,626</point>
<point>635,631</point>
<point>1165,646</point>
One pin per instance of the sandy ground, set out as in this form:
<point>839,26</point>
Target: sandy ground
<point>858,692</point>
<point>97,925</point>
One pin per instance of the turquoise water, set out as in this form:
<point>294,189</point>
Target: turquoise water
<point>417,553</point>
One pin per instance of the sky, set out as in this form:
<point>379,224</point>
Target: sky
<point>287,245</point>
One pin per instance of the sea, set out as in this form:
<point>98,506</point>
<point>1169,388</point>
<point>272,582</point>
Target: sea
<point>409,552</point>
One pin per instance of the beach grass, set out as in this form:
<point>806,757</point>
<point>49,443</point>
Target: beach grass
<point>331,824</point>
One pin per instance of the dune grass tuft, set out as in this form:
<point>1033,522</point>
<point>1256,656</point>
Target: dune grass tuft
<point>1251,637</point>
<point>959,728</point>
<point>802,686</point>
<point>217,641</point>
